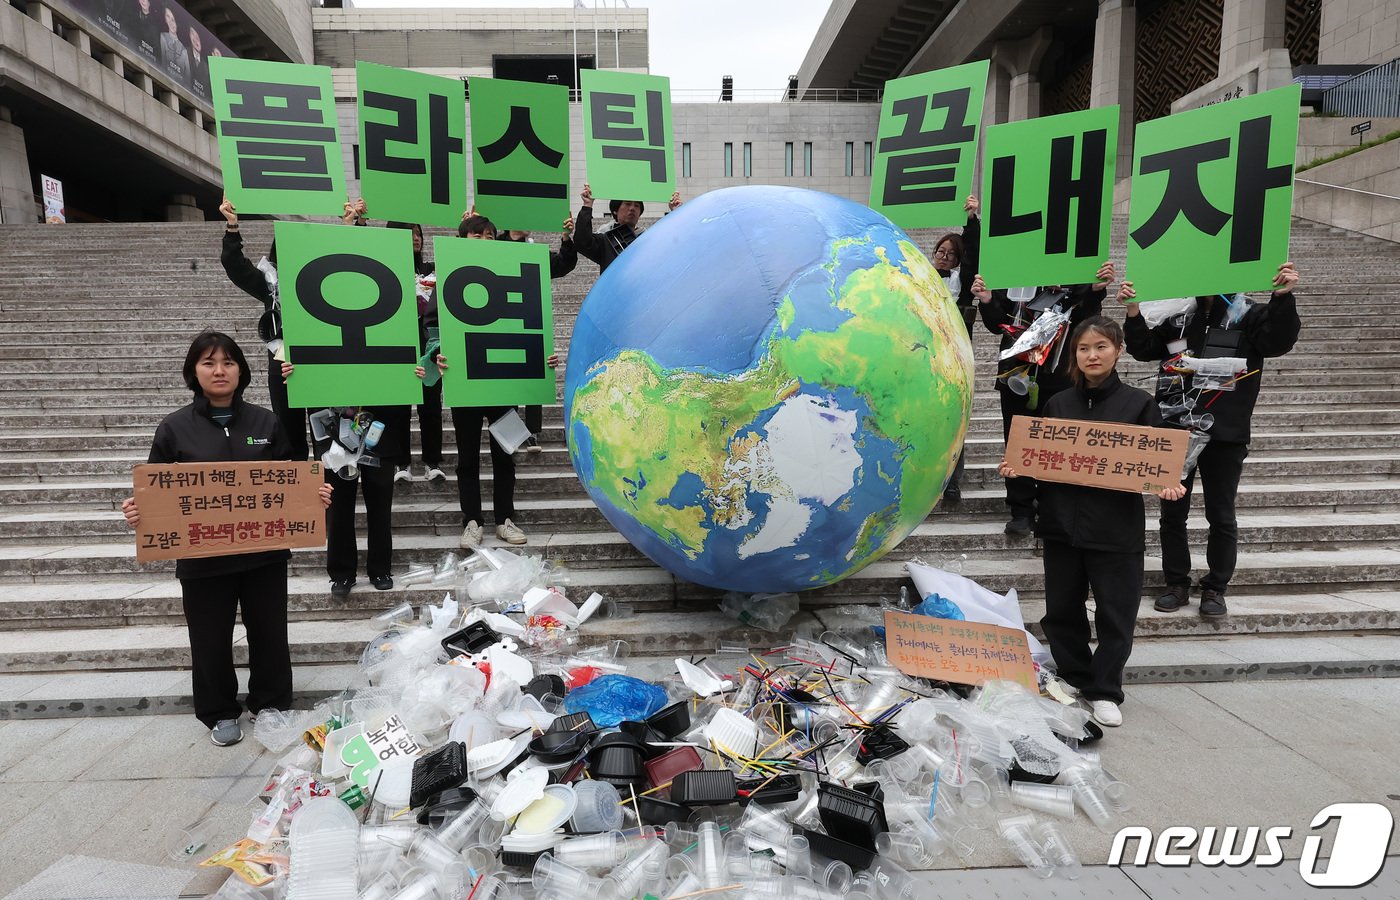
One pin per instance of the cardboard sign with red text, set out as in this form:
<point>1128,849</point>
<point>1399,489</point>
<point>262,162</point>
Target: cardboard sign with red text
<point>957,651</point>
<point>1110,455</point>
<point>191,510</point>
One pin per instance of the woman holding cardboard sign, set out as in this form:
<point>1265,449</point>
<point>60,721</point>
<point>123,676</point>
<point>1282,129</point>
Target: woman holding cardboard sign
<point>219,427</point>
<point>1094,537</point>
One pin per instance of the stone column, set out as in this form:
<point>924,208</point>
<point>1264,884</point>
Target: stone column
<point>1248,28</point>
<point>1021,59</point>
<point>80,39</point>
<point>39,13</point>
<point>1115,56</point>
<point>182,208</point>
<point>17,203</point>
<point>995,105</point>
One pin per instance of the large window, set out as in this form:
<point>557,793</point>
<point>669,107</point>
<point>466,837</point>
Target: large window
<point>787,159</point>
<point>748,160</point>
<point>807,158</point>
<point>850,158</point>
<point>728,160</point>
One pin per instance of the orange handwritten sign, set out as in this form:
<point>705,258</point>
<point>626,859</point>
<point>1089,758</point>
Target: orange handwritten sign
<point>1110,455</point>
<point>192,510</point>
<point>957,651</point>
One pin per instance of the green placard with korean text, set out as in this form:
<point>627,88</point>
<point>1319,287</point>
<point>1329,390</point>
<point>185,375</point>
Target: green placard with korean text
<point>349,315</point>
<point>627,141</point>
<point>520,153</point>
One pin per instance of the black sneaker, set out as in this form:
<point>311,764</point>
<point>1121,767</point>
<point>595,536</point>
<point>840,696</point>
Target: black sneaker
<point>341,589</point>
<point>381,582</point>
<point>1177,596</point>
<point>532,445</point>
<point>1018,525</point>
<point>1212,604</point>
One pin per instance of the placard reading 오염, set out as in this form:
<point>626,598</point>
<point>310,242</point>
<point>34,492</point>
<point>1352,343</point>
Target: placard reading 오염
<point>957,651</point>
<point>1133,458</point>
<point>191,510</point>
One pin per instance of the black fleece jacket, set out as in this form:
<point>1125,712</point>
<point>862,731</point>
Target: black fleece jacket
<point>250,279</point>
<point>1096,518</point>
<point>190,434</point>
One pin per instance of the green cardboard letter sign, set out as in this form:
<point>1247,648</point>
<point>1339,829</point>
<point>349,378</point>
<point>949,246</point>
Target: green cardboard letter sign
<point>627,139</point>
<point>278,146</point>
<point>496,322</point>
<point>413,162</point>
<point>1213,197</point>
<point>1049,198</point>
<point>520,153</point>
<point>926,145</point>
<point>349,315</point>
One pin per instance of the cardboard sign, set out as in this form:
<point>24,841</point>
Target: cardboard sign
<point>278,146</point>
<point>1213,196</point>
<point>1049,198</point>
<point>366,752</point>
<point>496,322</point>
<point>927,146</point>
<point>192,510</point>
<point>520,153</point>
<point>1110,455</point>
<point>627,141</point>
<point>957,651</point>
<point>349,315</point>
<point>413,162</point>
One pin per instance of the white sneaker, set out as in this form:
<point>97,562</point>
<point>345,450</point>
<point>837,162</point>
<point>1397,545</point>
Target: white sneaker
<point>403,475</point>
<point>436,475</point>
<point>1107,713</point>
<point>507,532</point>
<point>471,536</point>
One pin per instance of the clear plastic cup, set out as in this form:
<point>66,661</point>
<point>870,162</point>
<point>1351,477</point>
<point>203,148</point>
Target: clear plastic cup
<point>1016,832</point>
<point>599,807</point>
<point>1052,799</point>
<point>551,875</point>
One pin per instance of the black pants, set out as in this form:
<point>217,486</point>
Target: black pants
<point>342,556</point>
<point>1116,580</point>
<point>1220,466</point>
<point>293,420</point>
<point>969,315</point>
<point>1021,492</point>
<point>210,607</point>
<point>430,425</point>
<point>534,419</point>
<point>468,421</point>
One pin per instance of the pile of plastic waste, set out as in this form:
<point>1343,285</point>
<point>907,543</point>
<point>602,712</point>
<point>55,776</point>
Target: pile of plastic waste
<point>492,749</point>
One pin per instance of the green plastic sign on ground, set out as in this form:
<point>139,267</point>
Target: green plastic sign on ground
<point>278,145</point>
<point>1049,198</point>
<point>927,146</point>
<point>627,140</point>
<point>496,321</point>
<point>349,315</point>
<point>520,153</point>
<point>1213,197</point>
<point>413,161</point>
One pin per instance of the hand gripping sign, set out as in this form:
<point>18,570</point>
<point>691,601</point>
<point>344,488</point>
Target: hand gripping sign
<point>520,153</point>
<point>496,322</point>
<point>349,315</point>
<point>413,164</point>
<point>278,146</point>
<point>627,139</point>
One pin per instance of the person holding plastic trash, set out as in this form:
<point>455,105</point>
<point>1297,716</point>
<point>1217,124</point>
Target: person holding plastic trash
<point>1094,537</point>
<point>218,426</point>
<point>1217,412</point>
<point>605,246</point>
<point>1027,380</point>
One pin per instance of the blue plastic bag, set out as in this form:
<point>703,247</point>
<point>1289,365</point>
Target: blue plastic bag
<point>611,699</point>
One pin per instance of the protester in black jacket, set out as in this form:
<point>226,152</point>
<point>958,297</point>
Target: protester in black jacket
<point>561,263</point>
<point>1219,327</point>
<point>219,427</point>
<point>260,282</point>
<point>1094,537</point>
<point>1002,316</point>
<point>954,255</point>
<point>605,246</point>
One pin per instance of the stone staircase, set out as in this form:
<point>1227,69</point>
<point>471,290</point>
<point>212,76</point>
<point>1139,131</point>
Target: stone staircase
<point>95,319</point>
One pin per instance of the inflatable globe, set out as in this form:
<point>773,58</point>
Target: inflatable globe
<point>768,390</point>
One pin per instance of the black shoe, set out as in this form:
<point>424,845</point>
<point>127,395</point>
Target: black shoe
<point>1177,596</point>
<point>952,493</point>
<point>341,589</point>
<point>532,445</point>
<point>381,582</point>
<point>1212,604</point>
<point>1018,525</point>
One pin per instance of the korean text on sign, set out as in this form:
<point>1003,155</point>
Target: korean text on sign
<point>957,651</point>
<point>628,147</point>
<point>520,153</point>
<point>1131,458</point>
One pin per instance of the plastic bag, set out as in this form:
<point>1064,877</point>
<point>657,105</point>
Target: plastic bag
<point>616,698</point>
<point>508,584</point>
<point>1155,312</point>
<point>278,729</point>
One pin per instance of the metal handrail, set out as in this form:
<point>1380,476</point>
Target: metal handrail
<point>1344,188</point>
<point>1375,92</point>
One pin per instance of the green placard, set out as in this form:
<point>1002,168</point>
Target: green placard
<point>1213,197</point>
<point>926,147</point>
<point>627,140</point>
<point>349,315</point>
<point>278,145</point>
<point>1049,198</point>
<point>520,153</point>
<point>413,161</point>
<point>496,321</point>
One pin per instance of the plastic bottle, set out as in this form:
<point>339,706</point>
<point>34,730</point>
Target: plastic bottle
<point>324,851</point>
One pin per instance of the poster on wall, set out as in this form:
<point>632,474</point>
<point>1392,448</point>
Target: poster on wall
<point>53,201</point>
<point>162,32</point>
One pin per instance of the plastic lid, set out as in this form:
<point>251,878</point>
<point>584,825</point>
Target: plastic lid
<point>523,787</point>
<point>531,713</point>
<point>488,759</point>
<point>530,842</point>
<point>474,729</point>
<point>392,782</point>
<point>559,801</point>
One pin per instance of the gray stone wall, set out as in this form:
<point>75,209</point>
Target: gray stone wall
<point>1359,31</point>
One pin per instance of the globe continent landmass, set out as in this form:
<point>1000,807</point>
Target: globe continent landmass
<point>811,436</point>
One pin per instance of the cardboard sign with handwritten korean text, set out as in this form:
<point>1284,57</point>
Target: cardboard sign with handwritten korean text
<point>1110,455</point>
<point>957,651</point>
<point>191,510</point>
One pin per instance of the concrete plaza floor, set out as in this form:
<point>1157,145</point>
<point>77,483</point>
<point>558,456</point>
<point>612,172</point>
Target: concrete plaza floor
<point>88,805</point>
